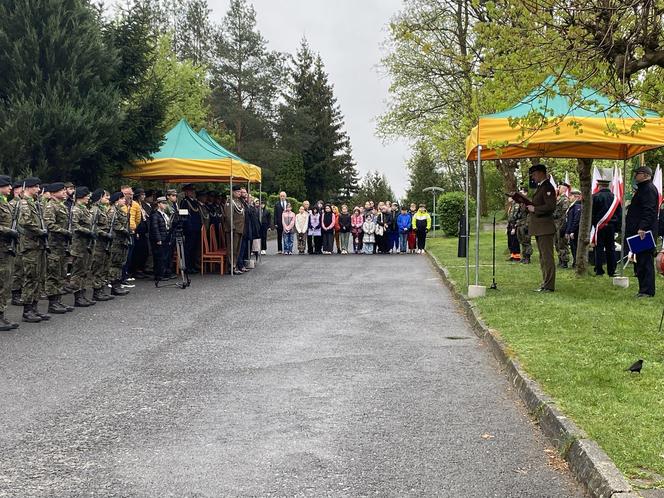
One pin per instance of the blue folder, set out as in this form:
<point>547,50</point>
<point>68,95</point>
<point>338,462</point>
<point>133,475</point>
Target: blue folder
<point>636,245</point>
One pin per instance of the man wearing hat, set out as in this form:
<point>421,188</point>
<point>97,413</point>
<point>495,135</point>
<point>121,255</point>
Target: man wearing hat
<point>160,237</point>
<point>522,233</point>
<point>8,242</point>
<point>192,229</point>
<point>100,261</point>
<point>56,217</point>
<point>235,231</point>
<point>121,242</point>
<point>542,226</point>
<point>81,247</point>
<point>33,251</point>
<point>605,246</point>
<point>641,218</point>
<point>573,221</point>
<point>17,276</point>
<point>559,218</point>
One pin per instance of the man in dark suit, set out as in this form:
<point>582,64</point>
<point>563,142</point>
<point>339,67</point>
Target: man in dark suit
<point>573,222</point>
<point>542,226</point>
<point>279,209</point>
<point>160,236</point>
<point>605,247</point>
<point>642,217</point>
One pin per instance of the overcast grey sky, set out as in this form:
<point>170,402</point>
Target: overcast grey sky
<point>348,34</point>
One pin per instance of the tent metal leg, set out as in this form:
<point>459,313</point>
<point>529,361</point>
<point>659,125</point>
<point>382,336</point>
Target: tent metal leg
<point>477,215</point>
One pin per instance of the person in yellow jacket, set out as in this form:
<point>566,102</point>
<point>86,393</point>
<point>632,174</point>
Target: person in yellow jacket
<point>421,225</point>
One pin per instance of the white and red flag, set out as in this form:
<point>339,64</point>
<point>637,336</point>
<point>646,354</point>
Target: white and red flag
<point>596,177</point>
<point>618,190</point>
<point>657,182</point>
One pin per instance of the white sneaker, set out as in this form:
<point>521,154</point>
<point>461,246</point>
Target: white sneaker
<point>263,253</point>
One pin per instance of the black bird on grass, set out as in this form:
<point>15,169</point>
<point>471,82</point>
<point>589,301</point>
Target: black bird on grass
<point>636,367</point>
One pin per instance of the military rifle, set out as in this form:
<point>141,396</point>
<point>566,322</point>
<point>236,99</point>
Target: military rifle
<point>109,235</point>
<point>14,226</point>
<point>42,225</point>
<point>70,227</point>
<point>93,229</point>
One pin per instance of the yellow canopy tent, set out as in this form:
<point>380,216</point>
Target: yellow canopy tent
<point>185,157</point>
<point>591,128</point>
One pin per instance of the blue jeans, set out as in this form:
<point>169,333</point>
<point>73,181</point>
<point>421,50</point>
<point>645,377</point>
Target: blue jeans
<point>288,242</point>
<point>368,247</point>
<point>403,241</point>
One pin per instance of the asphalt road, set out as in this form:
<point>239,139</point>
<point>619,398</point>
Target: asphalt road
<point>310,376</point>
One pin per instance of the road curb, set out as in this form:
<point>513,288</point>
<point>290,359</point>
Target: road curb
<point>587,461</point>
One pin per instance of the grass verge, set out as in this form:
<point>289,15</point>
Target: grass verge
<point>576,343</point>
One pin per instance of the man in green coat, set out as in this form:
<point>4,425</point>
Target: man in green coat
<point>56,216</point>
<point>81,247</point>
<point>121,242</point>
<point>8,244</point>
<point>33,246</point>
<point>542,226</point>
<point>101,254</point>
<point>17,275</point>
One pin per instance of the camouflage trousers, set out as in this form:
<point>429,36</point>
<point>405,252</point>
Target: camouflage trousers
<point>34,268</point>
<point>80,272</point>
<point>525,241</point>
<point>56,262</point>
<point>117,260</point>
<point>6,269</point>
<point>99,269</point>
<point>562,247</point>
<point>17,276</point>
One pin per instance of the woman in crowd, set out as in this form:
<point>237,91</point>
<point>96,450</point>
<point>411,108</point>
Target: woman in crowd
<point>327,229</point>
<point>337,228</point>
<point>266,221</point>
<point>404,227</point>
<point>344,224</point>
<point>412,237</point>
<point>356,222</point>
<point>302,229</point>
<point>369,229</point>
<point>393,229</point>
<point>288,222</point>
<point>421,224</point>
<point>314,230</point>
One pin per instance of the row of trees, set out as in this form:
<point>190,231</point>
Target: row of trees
<point>454,60</point>
<point>83,92</point>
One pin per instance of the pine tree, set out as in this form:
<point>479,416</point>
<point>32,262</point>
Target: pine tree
<point>194,33</point>
<point>57,101</point>
<point>290,176</point>
<point>350,178</point>
<point>374,187</point>
<point>423,173</point>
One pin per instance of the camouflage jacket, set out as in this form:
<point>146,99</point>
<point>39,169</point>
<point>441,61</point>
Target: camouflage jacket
<point>56,217</point>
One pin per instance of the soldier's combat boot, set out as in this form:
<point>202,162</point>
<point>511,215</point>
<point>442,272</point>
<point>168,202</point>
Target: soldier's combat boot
<point>65,306</point>
<point>55,307</point>
<point>90,301</point>
<point>35,308</point>
<point>79,300</point>
<point>16,298</point>
<point>6,324</point>
<point>29,315</point>
<point>98,295</point>
<point>117,290</point>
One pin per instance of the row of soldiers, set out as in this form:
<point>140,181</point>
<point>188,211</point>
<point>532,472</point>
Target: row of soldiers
<point>43,232</point>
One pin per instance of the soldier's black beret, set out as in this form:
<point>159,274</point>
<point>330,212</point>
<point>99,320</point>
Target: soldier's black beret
<point>5,180</point>
<point>236,188</point>
<point>115,196</point>
<point>96,195</point>
<point>18,184</point>
<point>82,192</point>
<point>55,187</point>
<point>537,167</point>
<point>32,181</point>
<point>45,186</point>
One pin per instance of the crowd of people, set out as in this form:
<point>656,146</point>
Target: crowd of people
<point>553,217</point>
<point>324,228</point>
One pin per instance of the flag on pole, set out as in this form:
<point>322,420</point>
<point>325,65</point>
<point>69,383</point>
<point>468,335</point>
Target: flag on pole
<point>618,190</point>
<point>553,182</point>
<point>596,176</point>
<point>567,182</point>
<point>657,182</point>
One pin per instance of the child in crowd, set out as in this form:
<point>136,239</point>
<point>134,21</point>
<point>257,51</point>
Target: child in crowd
<point>314,230</point>
<point>327,229</point>
<point>344,224</point>
<point>412,237</point>
<point>302,228</point>
<point>421,225</point>
<point>356,222</point>
<point>288,222</point>
<point>337,228</point>
<point>404,227</point>
<point>369,229</point>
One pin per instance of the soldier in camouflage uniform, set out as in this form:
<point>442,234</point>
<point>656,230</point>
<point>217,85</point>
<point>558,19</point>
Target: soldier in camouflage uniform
<point>56,216</point>
<point>121,242</point>
<point>82,247</point>
<point>101,254</point>
<point>559,217</point>
<point>8,244</point>
<point>33,244</point>
<point>521,217</point>
<point>17,276</point>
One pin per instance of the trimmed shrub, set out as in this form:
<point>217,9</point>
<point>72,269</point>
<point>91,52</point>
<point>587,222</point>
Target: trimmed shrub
<point>451,207</point>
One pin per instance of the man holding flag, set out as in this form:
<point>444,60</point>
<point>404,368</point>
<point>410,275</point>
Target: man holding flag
<point>606,217</point>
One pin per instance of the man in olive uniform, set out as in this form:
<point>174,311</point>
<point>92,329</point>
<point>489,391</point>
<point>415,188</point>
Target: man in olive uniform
<point>33,251</point>
<point>82,247</point>
<point>101,252</point>
<point>121,241</point>
<point>56,216</point>
<point>17,276</point>
<point>8,248</point>
<point>559,218</point>
<point>522,234</point>
<point>541,225</point>
<point>192,229</point>
<point>235,231</point>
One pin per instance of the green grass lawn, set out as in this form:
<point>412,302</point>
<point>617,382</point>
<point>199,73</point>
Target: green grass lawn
<point>577,343</point>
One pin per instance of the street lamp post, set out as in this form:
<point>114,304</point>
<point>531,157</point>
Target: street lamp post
<point>434,191</point>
